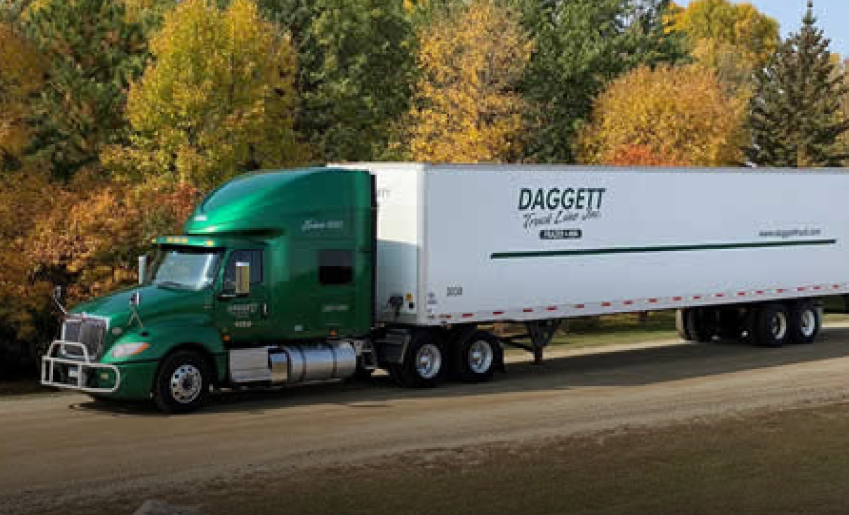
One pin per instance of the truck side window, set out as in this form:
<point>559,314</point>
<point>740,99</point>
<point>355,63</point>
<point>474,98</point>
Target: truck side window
<point>254,257</point>
<point>335,266</point>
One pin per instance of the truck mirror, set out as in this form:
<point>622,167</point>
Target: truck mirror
<point>142,269</point>
<point>243,279</point>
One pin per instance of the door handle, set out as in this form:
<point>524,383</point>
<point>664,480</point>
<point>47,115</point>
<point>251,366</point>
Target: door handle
<point>265,310</point>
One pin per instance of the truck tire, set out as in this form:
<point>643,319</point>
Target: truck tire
<point>771,325</point>
<point>681,324</point>
<point>182,383</point>
<point>731,324</point>
<point>701,324</point>
<point>425,363</point>
<point>804,322</point>
<point>475,357</point>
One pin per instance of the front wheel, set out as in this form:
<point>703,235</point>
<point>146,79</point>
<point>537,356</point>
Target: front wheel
<point>182,384</point>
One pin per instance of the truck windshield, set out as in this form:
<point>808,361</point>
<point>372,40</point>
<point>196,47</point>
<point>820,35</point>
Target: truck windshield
<point>191,269</point>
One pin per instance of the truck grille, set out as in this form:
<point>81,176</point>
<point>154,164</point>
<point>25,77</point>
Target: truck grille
<point>85,330</point>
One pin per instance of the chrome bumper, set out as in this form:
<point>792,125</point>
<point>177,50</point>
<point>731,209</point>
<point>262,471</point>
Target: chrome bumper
<point>76,371</point>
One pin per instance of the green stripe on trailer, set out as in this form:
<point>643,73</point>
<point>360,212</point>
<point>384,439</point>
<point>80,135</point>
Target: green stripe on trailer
<point>664,248</point>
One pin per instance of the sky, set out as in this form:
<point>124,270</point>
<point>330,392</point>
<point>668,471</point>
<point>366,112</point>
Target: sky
<point>832,17</point>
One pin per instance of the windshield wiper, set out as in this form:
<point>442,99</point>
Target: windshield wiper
<point>172,284</point>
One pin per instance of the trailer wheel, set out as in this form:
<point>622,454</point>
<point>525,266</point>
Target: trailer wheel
<point>771,325</point>
<point>424,363</point>
<point>182,384</point>
<point>804,322</point>
<point>701,324</point>
<point>731,324</point>
<point>475,357</point>
<point>681,324</point>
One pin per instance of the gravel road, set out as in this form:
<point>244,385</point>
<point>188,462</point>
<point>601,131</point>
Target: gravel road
<point>63,448</point>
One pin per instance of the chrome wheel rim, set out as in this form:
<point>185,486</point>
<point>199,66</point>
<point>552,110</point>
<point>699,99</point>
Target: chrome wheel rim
<point>778,325</point>
<point>808,323</point>
<point>428,361</point>
<point>480,356</point>
<point>186,383</point>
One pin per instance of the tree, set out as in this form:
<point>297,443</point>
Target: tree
<point>218,100</point>
<point>21,78</point>
<point>96,251</point>
<point>25,195</point>
<point>355,71</point>
<point>794,115</point>
<point>733,39</point>
<point>669,115</point>
<point>467,108</point>
<point>93,51</point>
<point>642,155</point>
<point>580,46</point>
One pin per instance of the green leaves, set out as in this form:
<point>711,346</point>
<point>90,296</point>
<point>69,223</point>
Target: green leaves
<point>795,113</point>
<point>580,46</point>
<point>356,72</point>
<point>93,52</point>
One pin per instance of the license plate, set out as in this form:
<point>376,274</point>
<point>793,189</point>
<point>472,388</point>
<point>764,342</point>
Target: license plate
<point>73,371</point>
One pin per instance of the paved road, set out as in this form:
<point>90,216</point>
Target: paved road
<point>64,448</point>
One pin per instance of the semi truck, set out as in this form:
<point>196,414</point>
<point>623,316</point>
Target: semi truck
<point>287,277</point>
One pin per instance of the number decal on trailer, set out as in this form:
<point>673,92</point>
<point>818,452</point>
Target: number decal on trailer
<point>455,291</point>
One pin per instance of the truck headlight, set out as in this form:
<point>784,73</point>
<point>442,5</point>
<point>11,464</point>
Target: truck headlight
<point>125,350</point>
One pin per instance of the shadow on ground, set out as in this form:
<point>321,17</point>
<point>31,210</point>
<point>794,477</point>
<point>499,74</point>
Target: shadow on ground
<point>623,368</point>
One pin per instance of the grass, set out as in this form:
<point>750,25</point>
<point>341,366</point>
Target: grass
<point>783,462</point>
<point>618,329</point>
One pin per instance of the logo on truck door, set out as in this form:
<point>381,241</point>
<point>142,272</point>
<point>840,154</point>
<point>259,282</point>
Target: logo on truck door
<point>542,208</point>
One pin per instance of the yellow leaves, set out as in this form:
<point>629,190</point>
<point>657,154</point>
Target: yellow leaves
<point>672,115</point>
<point>732,39</point>
<point>220,95</point>
<point>21,75</point>
<point>466,107</point>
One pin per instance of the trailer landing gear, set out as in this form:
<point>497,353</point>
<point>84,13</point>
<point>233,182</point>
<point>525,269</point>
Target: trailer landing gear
<point>539,335</point>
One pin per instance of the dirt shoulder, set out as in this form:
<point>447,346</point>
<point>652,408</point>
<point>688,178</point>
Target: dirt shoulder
<point>786,461</point>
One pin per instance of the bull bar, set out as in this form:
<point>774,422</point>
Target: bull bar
<point>83,366</point>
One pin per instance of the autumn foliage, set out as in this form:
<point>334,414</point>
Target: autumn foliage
<point>667,115</point>
<point>218,99</point>
<point>731,38</point>
<point>467,107</point>
<point>85,236</point>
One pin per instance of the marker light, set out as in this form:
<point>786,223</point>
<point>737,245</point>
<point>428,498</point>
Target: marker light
<point>126,350</point>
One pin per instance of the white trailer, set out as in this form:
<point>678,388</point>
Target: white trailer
<point>739,252</point>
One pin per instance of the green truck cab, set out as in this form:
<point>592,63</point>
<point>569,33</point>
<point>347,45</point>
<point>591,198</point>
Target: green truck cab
<point>271,283</point>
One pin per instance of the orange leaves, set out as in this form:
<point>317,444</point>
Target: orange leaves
<point>466,107</point>
<point>23,196</point>
<point>86,236</point>
<point>675,115</point>
<point>95,231</point>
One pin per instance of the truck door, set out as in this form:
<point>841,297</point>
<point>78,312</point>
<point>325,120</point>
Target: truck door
<point>244,318</point>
